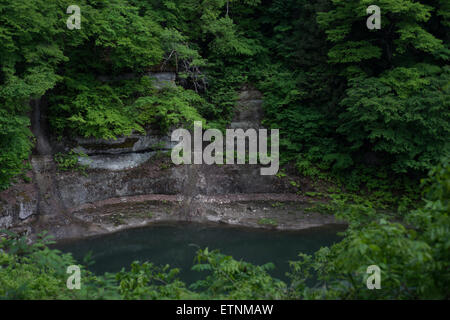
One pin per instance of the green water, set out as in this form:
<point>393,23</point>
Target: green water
<point>176,244</point>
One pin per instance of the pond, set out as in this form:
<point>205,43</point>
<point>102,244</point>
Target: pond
<point>176,245</point>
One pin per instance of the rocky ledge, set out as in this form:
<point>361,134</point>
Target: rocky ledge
<point>100,201</point>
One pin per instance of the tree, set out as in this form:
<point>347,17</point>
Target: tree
<point>396,101</point>
<point>30,52</point>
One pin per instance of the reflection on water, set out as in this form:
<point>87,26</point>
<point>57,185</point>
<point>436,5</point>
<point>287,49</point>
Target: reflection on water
<point>176,244</point>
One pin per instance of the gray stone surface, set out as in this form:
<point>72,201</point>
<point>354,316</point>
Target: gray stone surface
<point>248,112</point>
<point>163,79</point>
<point>26,210</point>
<point>116,162</point>
<point>6,221</point>
<point>18,205</point>
<point>130,144</point>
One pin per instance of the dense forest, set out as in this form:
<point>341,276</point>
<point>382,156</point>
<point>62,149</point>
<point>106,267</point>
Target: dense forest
<point>367,111</point>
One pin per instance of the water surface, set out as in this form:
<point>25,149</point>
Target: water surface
<point>176,244</point>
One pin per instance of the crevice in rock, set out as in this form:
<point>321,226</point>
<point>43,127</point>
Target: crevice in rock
<point>39,126</point>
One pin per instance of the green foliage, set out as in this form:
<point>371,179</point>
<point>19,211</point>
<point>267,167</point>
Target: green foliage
<point>433,224</point>
<point>403,22</point>
<point>124,39</point>
<point>15,145</point>
<point>231,279</point>
<point>146,281</point>
<point>414,261</point>
<point>29,56</point>
<point>403,113</point>
<point>172,106</point>
<point>33,271</point>
<point>375,99</point>
<point>267,222</point>
<point>91,108</point>
<point>69,161</point>
<point>123,107</point>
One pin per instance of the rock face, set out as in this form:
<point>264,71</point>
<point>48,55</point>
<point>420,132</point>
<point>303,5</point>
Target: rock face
<point>123,153</point>
<point>116,162</point>
<point>132,144</point>
<point>18,207</point>
<point>163,79</point>
<point>131,182</point>
<point>39,127</point>
<point>248,111</point>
